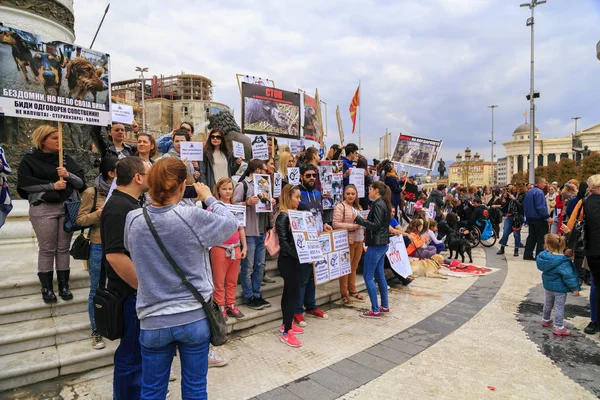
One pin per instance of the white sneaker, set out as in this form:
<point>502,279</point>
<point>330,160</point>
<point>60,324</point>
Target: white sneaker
<point>97,341</point>
<point>214,360</point>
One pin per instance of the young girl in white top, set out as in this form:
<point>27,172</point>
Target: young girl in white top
<point>432,233</point>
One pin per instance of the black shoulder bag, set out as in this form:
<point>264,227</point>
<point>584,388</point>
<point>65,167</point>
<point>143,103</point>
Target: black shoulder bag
<point>577,240</point>
<point>80,249</point>
<point>108,309</point>
<point>216,320</point>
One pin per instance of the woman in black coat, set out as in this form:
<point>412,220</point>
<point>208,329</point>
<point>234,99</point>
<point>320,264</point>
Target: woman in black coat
<point>218,160</point>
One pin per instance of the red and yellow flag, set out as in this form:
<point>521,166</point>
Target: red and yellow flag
<point>354,106</point>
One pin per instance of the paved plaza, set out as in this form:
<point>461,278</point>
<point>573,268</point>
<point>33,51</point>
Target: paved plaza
<point>460,338</point>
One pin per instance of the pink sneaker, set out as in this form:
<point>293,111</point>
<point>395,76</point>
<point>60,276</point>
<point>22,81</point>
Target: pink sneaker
<point>317,313</point>
<point>546,324</point>
<point>290,339</point>
<point>561,332</point>
<point>384,310</point>
<point>299,320</point>
<point>295,328</point>
<point>371,314</point>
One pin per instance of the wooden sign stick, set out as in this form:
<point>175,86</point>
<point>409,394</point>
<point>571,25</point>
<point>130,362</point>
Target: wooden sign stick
<point>60,146</point>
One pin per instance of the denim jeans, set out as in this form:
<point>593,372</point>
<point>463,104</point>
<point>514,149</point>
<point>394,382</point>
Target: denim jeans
<point>306,298</point>
<point>507,230</point>
<point>373,267</point>
<point>253,266</point>
<point>128,357</point>
<point>158,349</point>
<point>535,240</point>
<point>94,264</point>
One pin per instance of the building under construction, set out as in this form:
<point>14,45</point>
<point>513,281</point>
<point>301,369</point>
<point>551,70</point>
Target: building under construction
<point>169,101</point>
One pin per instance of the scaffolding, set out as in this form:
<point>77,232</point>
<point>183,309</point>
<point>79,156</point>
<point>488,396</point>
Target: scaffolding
<point>174,87</point>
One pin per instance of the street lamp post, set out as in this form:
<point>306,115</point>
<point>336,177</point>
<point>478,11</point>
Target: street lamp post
<point>492,140</point>
<point>573,137</point>
<point>530,22</point>
<point>141,71</point>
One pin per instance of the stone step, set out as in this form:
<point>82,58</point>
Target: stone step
<point>17,228</point>
<point>70,354</point>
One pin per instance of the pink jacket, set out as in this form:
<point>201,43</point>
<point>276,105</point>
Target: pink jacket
<point>343,218</point>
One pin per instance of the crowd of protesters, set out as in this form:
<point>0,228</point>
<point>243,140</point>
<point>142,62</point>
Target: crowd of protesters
<point>185,203</point>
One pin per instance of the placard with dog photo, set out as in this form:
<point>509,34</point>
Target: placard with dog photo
<point>297,220</point>
<point>332,181</point>
<point>269,110</point>
<point>416,151</point>
<point>326,242</point>
<point>239,212</point>
<point>52,80</point>
<point>345,262</point>
<point>262,189</point>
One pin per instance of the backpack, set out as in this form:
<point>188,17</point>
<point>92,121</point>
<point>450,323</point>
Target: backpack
<point>487,230</point>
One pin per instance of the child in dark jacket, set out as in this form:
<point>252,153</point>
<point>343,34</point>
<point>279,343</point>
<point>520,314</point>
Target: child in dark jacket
<point>559,279</point>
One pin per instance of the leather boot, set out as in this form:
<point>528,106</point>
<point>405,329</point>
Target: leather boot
<point>63,285</point>
<point>47,290</point>
<point>516,253</point>
<point>501,251</point>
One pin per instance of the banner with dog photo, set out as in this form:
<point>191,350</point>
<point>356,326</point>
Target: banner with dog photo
<point>313,128</point>
<point>332,183</point>
<point>52,80</point>
<point>266,110</point>
<point>416,151</point>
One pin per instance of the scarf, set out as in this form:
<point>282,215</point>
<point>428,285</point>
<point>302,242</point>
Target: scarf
<point>39,168</point>
<point>102,185</point>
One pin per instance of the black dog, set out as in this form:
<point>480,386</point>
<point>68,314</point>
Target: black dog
<point>48,68</point>
<point>458,243</point>
<point>21,54</point>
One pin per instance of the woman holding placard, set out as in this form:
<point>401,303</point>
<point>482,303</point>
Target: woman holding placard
<point>343,218</point>
<point>288,264</point>
<point>218,160</point>
<point>286,160</point>
<point>377,239</point>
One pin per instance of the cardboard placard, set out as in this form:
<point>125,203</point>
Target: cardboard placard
<point>345,267</point>
<point>314,248</point>
<point>193,151</point>
<point>357,178</point>
<point>296,146</point>
<point>277,182</point>
<point>326,242</point>
<point>340,239</point>
<point>239,212</point>
<point>238,149</point>
<point>398,256</point>
<point>301,244</point>
<point>334,265</point>
<point>122,113</point>
<point>260,148</point>
<point>321,270</point>
<point>262,189</point>
<point>294,176</point>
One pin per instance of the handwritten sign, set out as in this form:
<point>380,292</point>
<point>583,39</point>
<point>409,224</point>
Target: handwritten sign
<point>398,257</point>
<point>193,151</point>
<point>239,212</point>
<point>340,239</point>
<point>334,265</point>
<point>357,178</point>
<point>238,150</point>
<point>277,182</point>
<point>321,271</point>
<point>302,247</point>
<point>345,267</point>
<point>294,176</point>
<point>260,148</point>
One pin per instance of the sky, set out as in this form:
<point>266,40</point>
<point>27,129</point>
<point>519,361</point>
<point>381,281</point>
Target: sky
<point>427,68</point>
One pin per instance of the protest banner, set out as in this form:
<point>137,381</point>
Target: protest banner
<point>332,182</point>
<point>122,113</point>
<point>398,256</point>
<point>313,129</point>
<point>277,182</point>
<point>238,149</point>
<point>192,151</point>
<point>53,81</point>
<point>262,189</point>
<point>321,269</point>
<point>416,151</point>
<point>239,212</point>
<point>260,148</point>
<point>294,176</point>
<point>357,178</point>
<point>266,110</point>
<point>340,239</point>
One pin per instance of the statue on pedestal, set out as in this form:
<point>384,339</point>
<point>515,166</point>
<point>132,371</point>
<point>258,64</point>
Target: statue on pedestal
<point>441,167</point>
<point>585,152</point>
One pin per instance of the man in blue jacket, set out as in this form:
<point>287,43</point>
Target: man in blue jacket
<point>538,218</point>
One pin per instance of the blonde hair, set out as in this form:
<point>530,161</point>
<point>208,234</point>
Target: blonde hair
<point>222,182</point>
<point>554,243</point>
<point>593,181</point>
<point>284,158</point>
<point>40,134</point>
<point>285,200</point>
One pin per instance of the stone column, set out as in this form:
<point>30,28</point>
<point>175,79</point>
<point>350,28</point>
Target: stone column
<point>545,157</point>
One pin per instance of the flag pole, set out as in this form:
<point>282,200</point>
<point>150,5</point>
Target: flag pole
<point>359,114</point>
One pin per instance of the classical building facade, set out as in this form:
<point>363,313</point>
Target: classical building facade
<point>502,178</point>
<point>547,150</point>
<point>472,170</point>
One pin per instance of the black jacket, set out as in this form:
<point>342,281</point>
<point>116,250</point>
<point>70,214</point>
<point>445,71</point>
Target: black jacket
<point>207,174</point>
<point>377,224</point>
<point>107,148</point>
<point>286,239</point>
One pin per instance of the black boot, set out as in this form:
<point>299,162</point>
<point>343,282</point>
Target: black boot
<point>516,253</point>
<point>47,290</point>
<point>63,285</point>
<point>501,251</point>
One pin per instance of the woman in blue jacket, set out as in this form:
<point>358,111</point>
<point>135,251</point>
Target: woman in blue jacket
<point>559,278</point>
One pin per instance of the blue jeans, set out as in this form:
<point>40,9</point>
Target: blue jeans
<point>306,299</point>
<point>128,357</point>
<point>253,266</point>
<point>507,230</point>
<point>439,247</point>
<point>373,267</point>
<point>593,303</point>
<point>94,264</point>
<point>158,349</point>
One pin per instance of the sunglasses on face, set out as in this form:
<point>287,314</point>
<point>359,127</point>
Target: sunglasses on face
<point>216,137</point>
<point>310,176</point>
